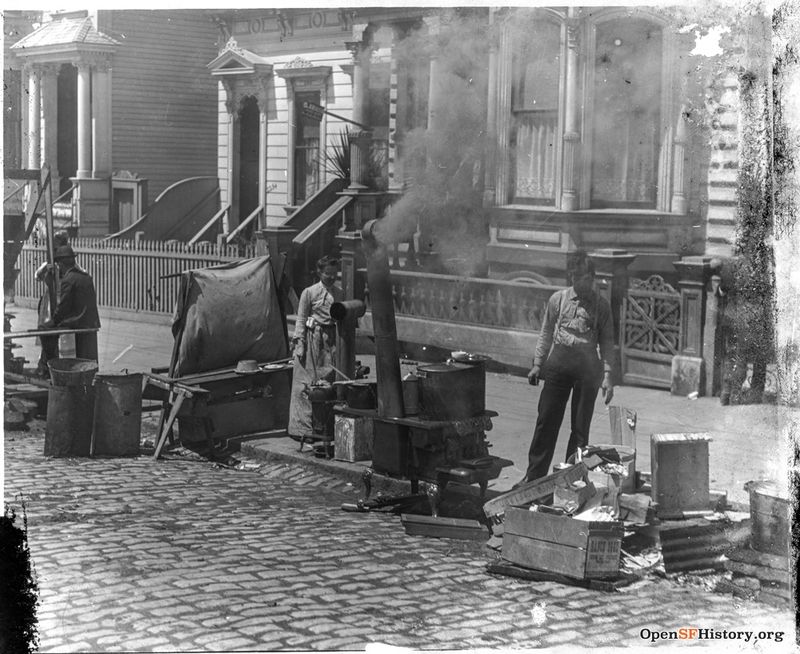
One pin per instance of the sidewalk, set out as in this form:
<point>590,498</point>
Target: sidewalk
<point>749,442</point>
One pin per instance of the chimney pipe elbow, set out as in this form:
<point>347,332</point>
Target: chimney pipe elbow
<point>348,309</point>
<point>368,232</point>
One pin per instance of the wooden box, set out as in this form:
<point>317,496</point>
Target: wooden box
<point>679,465</point>
<point>563,545</point>
<point>352,438</point>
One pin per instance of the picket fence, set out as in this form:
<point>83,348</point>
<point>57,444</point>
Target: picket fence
<point>130,275</point>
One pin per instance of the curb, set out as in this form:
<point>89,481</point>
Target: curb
<point>269,450</point>
<point>285,450</point>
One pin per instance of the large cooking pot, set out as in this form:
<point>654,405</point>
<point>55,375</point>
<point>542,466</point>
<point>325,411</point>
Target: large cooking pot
<point>451,391</point>
<point>361,394</point>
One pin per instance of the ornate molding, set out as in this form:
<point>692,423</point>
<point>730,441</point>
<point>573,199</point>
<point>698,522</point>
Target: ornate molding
<point>232,46</point>
<point>574,26</point>
<point>299,62</point>
<point>237,89</point>
<point>285,24</point>
<point>347,18</point>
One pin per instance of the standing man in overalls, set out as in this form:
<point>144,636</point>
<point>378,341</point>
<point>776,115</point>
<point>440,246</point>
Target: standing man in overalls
<point>573,356</point>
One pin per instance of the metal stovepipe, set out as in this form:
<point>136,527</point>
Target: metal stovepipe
<point>387,354</point>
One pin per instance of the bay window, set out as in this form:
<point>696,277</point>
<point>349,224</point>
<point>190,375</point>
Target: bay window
<point>585,105</point>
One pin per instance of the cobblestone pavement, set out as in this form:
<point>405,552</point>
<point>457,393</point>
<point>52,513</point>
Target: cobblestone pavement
<point>182,554</point>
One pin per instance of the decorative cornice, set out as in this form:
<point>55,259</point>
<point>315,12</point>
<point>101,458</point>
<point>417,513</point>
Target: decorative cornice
<point>299,62</point>
<point>232,46</point>
<point>301,68</point>
<point>574,25</point>
<point>347,17</point>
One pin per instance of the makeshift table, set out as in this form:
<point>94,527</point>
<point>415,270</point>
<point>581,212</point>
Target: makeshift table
<point>222,403</point>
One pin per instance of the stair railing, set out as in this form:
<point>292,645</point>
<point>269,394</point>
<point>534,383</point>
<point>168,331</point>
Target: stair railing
<point>235,233</point>
<point>217,217</point>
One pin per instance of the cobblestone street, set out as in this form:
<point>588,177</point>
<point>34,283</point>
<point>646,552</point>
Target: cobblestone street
<point>182,554</point>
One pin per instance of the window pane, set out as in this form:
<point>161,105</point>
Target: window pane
<point>626,121</point>
<point>306,150</point>
<point>535,114</point>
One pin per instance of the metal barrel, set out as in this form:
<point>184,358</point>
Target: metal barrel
<point>72,372</point>
<point>117,424</point>
<point>68,431</point>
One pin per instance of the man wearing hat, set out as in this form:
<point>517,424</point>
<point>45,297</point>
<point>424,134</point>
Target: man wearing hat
<point>77,307</point>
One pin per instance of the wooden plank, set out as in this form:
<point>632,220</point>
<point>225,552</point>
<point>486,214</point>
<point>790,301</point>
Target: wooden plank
<point>440,527</point>
<point>754,557</point>
<point>535,490</point>
<point>29,333</point>
<point>607,585</point>
<point>761,572</point>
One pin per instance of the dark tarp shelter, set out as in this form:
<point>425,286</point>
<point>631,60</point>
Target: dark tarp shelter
<point>226,314</point>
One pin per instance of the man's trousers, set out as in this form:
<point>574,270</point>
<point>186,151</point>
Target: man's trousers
<point>567,372</point>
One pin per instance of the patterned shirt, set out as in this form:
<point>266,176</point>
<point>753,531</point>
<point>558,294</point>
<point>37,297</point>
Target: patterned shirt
<point>315,302</point>
<point>579,323</point>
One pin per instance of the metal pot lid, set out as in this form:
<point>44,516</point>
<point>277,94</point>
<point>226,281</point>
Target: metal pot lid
<point>442,367</point>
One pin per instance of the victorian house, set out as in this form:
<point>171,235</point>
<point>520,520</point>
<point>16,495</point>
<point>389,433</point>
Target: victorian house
<point>117,103</point>
<point>498,141</point>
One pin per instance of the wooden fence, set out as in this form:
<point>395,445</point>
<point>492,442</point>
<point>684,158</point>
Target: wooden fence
<point>144,276</point>
<point>472,301</point>
<point>130,275</point>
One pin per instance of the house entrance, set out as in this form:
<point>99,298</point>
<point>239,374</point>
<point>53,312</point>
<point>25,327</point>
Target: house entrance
<point>248,157</point>
<point>67,147</point>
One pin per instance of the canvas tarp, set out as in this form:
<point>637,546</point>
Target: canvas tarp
<point>226,314</point>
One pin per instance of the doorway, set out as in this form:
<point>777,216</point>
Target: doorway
<point>248,157</point>
<point>67,147</point>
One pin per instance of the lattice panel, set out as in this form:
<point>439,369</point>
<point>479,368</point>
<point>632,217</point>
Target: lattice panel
<point>652,323</point>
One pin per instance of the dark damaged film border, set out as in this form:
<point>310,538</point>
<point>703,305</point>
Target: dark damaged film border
<point>19,590</point>
<point>786,145</point>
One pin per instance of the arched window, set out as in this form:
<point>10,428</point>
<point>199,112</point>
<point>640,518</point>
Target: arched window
<point>626,113</point>
<point>535,137</point>
<point>586,107</point>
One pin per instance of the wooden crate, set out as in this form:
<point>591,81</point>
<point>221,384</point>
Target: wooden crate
<point>563,545</point>
<point>352,438</point>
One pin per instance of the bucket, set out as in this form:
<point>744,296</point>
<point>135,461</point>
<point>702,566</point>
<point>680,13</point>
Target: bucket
<point>68,431</point>
<point>72,372</point>
<point>117,425</point>
<point>770,515</point>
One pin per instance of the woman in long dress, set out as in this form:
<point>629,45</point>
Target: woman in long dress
<point>314,344</point>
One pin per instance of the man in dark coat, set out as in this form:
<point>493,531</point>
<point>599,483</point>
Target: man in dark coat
<point>76,309</point>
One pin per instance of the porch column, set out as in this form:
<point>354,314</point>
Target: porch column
<point>84,121</point>
<point>503,130</point>
<point>569,194</point>
<point>679,204</point>
<point>49,100</point>
<point>491,115</point>
<point>290,153</point>
<point>360,141</point>
<point>689,367</point>
<point>262,156</point>
<point>101,121</point>
<point>611,272</point>
<point>34,118</point>
<point>230,156</point>
<point>711,336</point>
